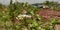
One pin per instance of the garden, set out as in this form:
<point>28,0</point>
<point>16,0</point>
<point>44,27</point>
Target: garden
<point>24,16</point>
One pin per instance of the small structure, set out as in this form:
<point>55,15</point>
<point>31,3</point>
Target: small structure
<point>40,5</point>
<point>23,15</point>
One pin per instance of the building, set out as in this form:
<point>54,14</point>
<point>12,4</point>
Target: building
<point>40,5</point>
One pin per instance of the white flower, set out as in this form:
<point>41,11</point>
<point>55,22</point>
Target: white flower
<point>4,16</point>
<point>13,1</point>
<point>24,15</point>
<point>42,29</point>
<point>51,26</point>
<point>30,25</point>
<point>39,27</point>
<point>21,16</point>
<point>24,28</point>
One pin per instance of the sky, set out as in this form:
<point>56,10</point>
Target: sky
<point>29,1</point>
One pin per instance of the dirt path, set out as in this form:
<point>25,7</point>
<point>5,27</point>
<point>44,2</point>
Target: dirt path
<point>49,13</point>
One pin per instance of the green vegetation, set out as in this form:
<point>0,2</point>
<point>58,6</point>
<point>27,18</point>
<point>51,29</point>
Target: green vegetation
<point>52,5</point>
<point>9,13</point>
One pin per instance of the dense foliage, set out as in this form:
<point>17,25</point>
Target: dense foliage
<point>9,13</point>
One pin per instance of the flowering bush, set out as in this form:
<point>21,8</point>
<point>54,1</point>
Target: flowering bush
<point>10,18</point>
